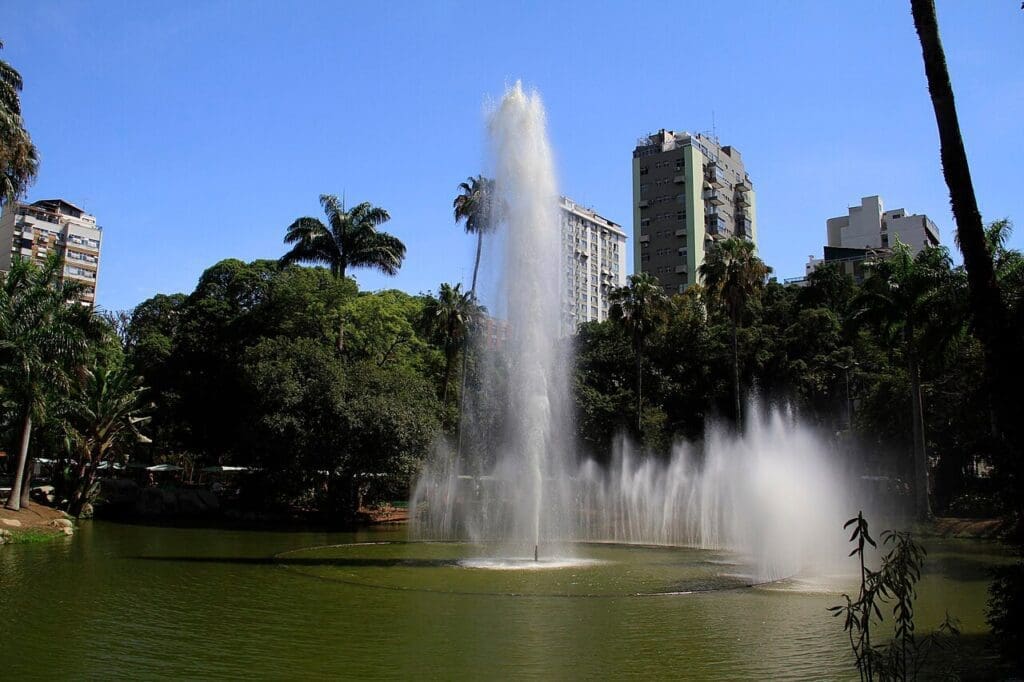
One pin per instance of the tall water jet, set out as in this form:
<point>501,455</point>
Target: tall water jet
<point>522,499</point>
<point>774,496</point>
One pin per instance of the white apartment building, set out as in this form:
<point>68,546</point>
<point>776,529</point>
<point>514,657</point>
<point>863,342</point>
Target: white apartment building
<point>869,229</point>
<point>594,260</point>
<point>50,226</point>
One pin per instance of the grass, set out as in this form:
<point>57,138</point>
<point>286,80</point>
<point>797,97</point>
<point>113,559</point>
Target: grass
<point>26,536</point>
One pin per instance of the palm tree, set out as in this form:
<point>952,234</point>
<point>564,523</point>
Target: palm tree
<point>43,333</point>
<point>639,307</point>
<point>449,318</point>
<point>1000,337</point>
<point>475,205</point>
<point>910,298</point>
<point>350,239</point>
<point>103,416</point>
<point>19,161</point>
<point>733,276</point>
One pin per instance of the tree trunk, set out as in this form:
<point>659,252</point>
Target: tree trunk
<point>465,348</point>
<point>448,362</point>
<point>639,390</point>
<point>476,263</point>
<point>922,506</point>
<point>1000,340</point>
<point>14,499</point>
<point>738,405</point>
<point>26,484</point>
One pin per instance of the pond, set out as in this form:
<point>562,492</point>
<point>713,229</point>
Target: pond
<point>130,602</point>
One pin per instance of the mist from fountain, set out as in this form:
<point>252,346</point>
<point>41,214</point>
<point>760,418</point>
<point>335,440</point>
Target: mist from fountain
<point>773,494</point>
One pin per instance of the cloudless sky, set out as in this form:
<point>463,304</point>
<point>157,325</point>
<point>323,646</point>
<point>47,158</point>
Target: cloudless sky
<point>197,131</point>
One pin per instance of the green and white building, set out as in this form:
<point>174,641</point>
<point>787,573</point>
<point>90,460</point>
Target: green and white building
<point>688,191</point>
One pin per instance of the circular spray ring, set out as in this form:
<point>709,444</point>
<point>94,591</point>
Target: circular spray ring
<point>594,570</point>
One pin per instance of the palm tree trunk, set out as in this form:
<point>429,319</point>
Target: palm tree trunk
<point>476,262</point>
<point>736,376</point>
<point>639,389</point>
<point>14,499</point>
<point>999,338</point>
<point>922,506</point>
<point>465,349</point>
<point>26,483</point>
<point>448,362</point>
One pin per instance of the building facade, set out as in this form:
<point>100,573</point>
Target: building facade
<point>868,231</point>
<point>594,263</point>
<point>54,226</point>
<point>688,191</point>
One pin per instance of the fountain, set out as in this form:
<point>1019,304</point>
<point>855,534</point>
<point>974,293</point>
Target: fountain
<point>521,495</point>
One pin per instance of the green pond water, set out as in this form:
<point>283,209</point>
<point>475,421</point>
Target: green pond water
<point>136,602</point>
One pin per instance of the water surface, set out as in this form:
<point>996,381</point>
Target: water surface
<point>132,602</point>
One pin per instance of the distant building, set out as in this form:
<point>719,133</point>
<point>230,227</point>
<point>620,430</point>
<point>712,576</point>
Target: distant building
<point>493,331</point>
<point>869,231</point>
<point>688,191</point>
<point>594,263</point>
<point>50,226</point>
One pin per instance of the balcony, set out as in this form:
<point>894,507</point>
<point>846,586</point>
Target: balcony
<point>681,233</point>
<point>679,179</point>
<point>744,186</point>
<point>742,198</point>
<point>713,175</point>
<point>644,203</point>
<point>714,197</point>
<point>745,227</point>
<point>715,224</point>
<point>680,269</point>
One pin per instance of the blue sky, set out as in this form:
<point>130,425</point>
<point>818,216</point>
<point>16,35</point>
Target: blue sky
<point>198,131</point>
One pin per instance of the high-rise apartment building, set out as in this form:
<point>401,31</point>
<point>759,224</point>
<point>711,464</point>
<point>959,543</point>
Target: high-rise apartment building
<point>594,263</point>
<point>688,191</point>
<point>868,230</point>
<point>50,226</point>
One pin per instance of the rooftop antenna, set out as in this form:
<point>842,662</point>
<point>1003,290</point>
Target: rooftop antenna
<point>714,130</point>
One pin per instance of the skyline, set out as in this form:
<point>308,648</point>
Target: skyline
<point>199,133</point>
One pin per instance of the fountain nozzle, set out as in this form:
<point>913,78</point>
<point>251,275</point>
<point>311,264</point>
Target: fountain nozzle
<point>535,553</point>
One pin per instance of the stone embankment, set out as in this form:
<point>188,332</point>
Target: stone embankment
<point>124,497</point>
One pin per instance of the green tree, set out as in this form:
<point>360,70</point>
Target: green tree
<point>19,161</point>
<point>102,418</point>
<point>350,238</point>
<point>44,333</point>
<point>910,300</point>
<point>734,276</point>
<point>448,319</point>
<point>639,308</point>
<point>475,205</point>
<point>1001,337</point>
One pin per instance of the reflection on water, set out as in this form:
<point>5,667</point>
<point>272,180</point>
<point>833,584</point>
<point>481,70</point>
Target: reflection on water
<point>131,602</point>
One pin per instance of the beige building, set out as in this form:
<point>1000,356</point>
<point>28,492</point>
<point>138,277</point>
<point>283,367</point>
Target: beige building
<point>688,191</point>
<point>594,263</point>
<point>50,226</point>
<point>869,230</point>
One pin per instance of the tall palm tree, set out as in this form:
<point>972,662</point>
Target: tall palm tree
<point>19,161</point>
<point>909,299</point>
<point>733,277</point>
<point>44,332</point>
<point>103,414</point>
<point>475,205</point>
<point>349,239</point>
<point>1000,337</point>
<point>449,319</point>
<point>639,307</point>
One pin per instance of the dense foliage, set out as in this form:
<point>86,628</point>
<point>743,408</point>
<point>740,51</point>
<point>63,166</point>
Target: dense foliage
<point>247,371</point>
<point>853,358</point>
